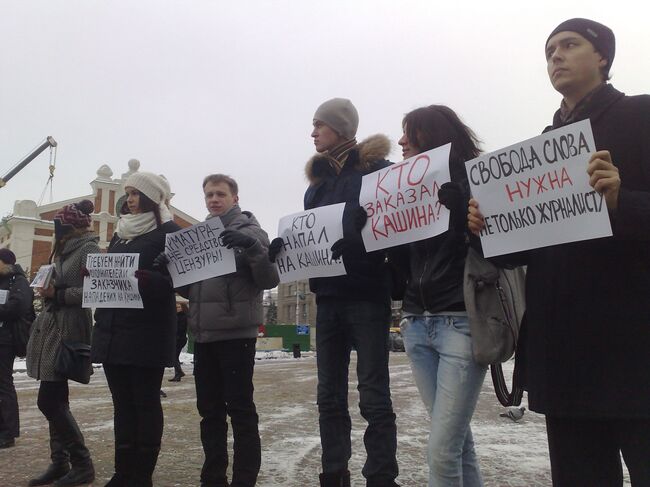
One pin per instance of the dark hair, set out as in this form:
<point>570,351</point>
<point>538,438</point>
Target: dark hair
<point>146,204</point>
<point>436,125</point>
<point>222,178</point>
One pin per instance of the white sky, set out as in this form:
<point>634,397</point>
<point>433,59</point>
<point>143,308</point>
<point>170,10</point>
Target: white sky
<point>195,87</point>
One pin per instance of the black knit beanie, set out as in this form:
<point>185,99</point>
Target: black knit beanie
<point>600,36</point>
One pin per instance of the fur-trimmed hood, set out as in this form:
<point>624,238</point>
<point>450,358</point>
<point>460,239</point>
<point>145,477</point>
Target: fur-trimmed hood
<point>371,150</point>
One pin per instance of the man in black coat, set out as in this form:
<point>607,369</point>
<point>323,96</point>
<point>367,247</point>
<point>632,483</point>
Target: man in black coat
<point>353,310</point>
<point>584,347</point>
<point>15,303</point>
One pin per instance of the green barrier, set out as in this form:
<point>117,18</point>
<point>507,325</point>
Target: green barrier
<point>290,335</point>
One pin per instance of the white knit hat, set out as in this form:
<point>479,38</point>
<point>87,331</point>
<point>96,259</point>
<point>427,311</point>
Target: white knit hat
<point>151,185</point>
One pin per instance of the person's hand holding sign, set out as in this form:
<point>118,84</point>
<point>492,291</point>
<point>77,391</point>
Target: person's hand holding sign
<point>475,220</point>
<point>604,178</point>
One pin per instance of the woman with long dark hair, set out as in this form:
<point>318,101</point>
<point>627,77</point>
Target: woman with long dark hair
<point>135,345</point>
<point>63,319</point>
<point>435,327</point>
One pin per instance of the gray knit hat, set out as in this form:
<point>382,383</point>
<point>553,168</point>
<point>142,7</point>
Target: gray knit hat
<point>151,185</point>
<point>340,115</point>
<point>600,36</point>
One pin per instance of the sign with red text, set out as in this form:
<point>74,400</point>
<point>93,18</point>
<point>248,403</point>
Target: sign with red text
<point>308,237</point>
<point>402,200</point>
<point>196,253</point>
<point>536,193</point>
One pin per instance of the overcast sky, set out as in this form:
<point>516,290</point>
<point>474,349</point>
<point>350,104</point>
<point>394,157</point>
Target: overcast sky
<point>191,87</point>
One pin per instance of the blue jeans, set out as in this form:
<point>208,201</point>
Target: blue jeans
<point>440,350</point>
<point>364,325</point>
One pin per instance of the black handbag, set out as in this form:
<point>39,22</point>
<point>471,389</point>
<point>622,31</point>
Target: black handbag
<point>73,361</point>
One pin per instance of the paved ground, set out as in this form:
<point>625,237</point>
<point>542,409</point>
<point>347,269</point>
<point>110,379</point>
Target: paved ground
<point>511,454</point>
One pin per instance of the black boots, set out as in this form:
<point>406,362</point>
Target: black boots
<point>178,373</point>
<point>336,479</point>
<point>60,465</point>
<point>70,436</point>
<point>143,466</point>
<point>124,458</point>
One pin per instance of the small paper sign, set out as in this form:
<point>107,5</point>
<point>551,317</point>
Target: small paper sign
<point>196,253</point>
<point>402,200</point>
<point>308,237</point>
<point>112,282</point>
<point>43,276</point>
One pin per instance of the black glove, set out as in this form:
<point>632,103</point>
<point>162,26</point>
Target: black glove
<point>338,248</point>
<point>152,283</point>
<point>235,238</point>
<point>160,263</point>
<point>275,247</point>
<point>451,195</point>
<point>359,218</point>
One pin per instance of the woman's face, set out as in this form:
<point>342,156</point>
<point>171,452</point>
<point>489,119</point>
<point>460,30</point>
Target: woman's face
<point>409,148</point>
<point>133,200</point>
<point>4,268</point>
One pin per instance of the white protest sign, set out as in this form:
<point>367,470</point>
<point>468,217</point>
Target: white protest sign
<point>536,193</point>
<point>4,295</point>
<point>112,282</point>
<point>308,237</point>
<point>43,276</point>
<point>196,253</point>
<point>402,200</point>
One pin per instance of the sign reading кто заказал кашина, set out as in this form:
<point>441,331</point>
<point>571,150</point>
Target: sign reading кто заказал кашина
<point>536,193</point>
<point>402,200</point>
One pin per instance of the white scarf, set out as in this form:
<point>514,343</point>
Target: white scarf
<point>131,225</point>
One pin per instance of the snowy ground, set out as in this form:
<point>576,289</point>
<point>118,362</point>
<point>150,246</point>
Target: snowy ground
<point>511,454</point>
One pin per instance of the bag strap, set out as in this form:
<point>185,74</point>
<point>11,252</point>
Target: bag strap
<point>505,397</point>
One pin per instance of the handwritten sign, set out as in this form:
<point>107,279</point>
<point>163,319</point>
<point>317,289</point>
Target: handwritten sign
<point>402,200</point>
<point>196,253</point>
<point>308,237</point>
<point>43,276</point>
<point>112,282</point>
<point>536,193</point>
<point>4,295</point>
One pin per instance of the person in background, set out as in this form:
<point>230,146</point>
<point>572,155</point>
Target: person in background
<point>224,315</point>
<point>435,327</point>
<point>135,345</point>
<point>63,319</point>
<point>583,346</point>
<point>181,340</point>
<point>16,299</point>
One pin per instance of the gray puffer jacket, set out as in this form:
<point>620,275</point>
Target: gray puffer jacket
<point>230,307</point>
<point>62,317</point>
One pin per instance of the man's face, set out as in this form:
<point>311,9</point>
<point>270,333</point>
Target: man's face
<point>219,198</point>
<point>572,63</point>
<point>325,138</point>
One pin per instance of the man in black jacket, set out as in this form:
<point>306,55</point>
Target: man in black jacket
<point>583,350</point>
<point>15,303</point>
<point>353,310</point>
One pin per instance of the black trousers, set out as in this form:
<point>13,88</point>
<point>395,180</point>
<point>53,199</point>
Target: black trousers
<point>9,420</point>
<point>138,414</point>
<point>224,386</point>
<point>587,453</point>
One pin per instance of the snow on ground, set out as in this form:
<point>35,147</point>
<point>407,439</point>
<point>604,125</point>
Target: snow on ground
<point>511,454</point>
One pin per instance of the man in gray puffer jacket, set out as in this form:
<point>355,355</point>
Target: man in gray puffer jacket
<point>224,316</point>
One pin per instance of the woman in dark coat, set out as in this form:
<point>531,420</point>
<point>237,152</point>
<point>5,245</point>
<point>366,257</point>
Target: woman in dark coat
<point>63,318</point>
<point>135,345</point>
<point>15,306</point>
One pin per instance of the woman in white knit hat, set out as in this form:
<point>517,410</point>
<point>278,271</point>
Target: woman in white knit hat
<point>135,345</point>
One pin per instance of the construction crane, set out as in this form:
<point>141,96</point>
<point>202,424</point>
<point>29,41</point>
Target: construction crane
<point>49,142</point>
